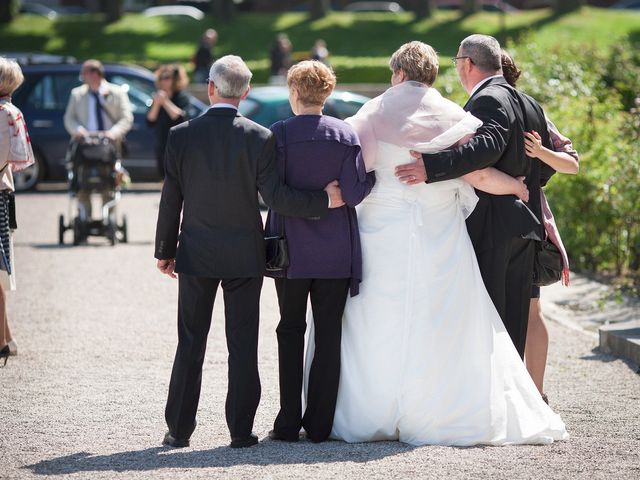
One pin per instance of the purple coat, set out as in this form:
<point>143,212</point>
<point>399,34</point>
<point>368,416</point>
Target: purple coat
<point>321,149</point>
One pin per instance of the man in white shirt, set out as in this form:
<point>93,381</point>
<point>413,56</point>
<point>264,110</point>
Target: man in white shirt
<point>97,106</point>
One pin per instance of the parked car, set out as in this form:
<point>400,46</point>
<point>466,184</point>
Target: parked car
<point>267,105</point>
<point>626,5</point>
<point>50,12</point>
<point>43,99</point>
<point>485,5</point>
<point>392,7</point>
<point>174,11</point>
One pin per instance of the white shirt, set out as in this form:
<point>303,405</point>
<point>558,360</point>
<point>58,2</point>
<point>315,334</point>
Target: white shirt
<point>482,82</point>
<point>223,105</point>
<point>93,118</point>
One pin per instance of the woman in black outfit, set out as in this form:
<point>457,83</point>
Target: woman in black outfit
<point>169,107</point>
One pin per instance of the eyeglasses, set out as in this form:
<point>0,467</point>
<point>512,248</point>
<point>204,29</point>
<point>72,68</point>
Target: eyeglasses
<point>455,59</point>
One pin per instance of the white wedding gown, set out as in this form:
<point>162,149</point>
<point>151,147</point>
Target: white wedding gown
<point>425,356</point>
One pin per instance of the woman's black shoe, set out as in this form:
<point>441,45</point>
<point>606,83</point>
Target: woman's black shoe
<point>171,441</point>
<point>4,354</point>
<point>249,441</point>
<point>274,435</point>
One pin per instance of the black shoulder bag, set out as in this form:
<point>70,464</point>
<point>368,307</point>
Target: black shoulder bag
<point>277,250</point>
<point>547,264</point>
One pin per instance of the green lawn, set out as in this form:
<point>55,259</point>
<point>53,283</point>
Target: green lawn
<point>360,44</point>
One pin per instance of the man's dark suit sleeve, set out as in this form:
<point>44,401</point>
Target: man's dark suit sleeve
<point>170,202</point>
<point>482,151</point>
<point>282,198</point>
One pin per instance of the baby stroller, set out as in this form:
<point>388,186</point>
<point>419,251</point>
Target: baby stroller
<point>94,167</point>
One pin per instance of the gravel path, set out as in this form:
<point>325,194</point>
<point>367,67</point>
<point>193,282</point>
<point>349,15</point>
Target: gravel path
<point>96,332</point>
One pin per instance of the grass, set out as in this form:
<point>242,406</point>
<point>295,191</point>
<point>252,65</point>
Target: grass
<point>360,44</point>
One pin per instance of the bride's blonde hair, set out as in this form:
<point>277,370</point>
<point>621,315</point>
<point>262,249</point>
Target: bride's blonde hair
<point>417,60</point>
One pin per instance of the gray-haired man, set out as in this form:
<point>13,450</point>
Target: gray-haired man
<point>215,166</point>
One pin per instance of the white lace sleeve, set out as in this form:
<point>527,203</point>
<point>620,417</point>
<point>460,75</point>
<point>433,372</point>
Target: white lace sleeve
<point>467,197</point>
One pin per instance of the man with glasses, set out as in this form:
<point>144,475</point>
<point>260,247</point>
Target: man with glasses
<point>94,107</point>
<point>502,228</point>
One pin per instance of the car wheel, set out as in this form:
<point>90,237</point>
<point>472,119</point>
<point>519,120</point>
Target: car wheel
<point>28,178</point>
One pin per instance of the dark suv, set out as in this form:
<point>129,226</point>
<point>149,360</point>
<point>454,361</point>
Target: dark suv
<point>43,99</point>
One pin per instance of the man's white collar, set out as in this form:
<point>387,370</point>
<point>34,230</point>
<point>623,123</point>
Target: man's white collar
<point>482,82</point>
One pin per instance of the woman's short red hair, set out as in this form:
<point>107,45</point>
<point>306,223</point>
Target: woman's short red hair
<point>313,80</point>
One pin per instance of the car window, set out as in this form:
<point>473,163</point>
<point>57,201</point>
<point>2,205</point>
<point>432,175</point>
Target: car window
<point>248,107</point>
<point>343,109</point>
<point>282,112</point>
<point>51,92</point>
<point>139,90</point>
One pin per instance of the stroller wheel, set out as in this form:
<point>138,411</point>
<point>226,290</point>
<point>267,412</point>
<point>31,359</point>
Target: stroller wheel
<point>112,231</point>
<point>124,238</point>
<point>61,229</point>
<point>77,231</point>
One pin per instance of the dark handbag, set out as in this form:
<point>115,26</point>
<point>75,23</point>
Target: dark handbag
<point>97,150</point>
<point>276,247</point>
<point>547,264</point>
<point>277,254</point>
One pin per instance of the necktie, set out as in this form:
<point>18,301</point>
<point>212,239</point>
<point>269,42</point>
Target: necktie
<point>99,117</point>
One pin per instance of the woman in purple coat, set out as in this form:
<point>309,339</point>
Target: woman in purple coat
<point>325,256</point>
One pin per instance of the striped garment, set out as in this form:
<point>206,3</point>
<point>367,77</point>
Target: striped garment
<point>5,239</point>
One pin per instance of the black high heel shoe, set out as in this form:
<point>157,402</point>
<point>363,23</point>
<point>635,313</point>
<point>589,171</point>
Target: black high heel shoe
<point>4,353</point>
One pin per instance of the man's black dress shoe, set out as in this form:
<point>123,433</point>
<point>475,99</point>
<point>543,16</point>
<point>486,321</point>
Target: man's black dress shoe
<point>244,442</point>
<point>171,441</point>
<point>273,435</point>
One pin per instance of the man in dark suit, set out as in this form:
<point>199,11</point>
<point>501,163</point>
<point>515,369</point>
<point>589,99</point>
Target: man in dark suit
<point>502,228</point>
<point>215,166</point>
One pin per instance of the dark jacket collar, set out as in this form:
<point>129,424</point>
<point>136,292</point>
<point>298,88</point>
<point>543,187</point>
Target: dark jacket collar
<point>222,112</point>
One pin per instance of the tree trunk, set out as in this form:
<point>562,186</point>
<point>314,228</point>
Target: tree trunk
<point>422,8</point>
<point>8,9</point>
<point>224,9</point>
<point>564,6</point>
<point>470,6</point>
<point>113,9</point>
<point>319,8</point>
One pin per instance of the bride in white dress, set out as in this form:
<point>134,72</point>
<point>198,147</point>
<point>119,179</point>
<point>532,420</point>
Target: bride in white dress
<point>425,356</point>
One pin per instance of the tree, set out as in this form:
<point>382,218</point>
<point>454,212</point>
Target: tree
<point>469,7</point>
<point>113,9</point>
<point>319,8</point>
<point>8,10</point>
<point>223,9</point>
<point>563,6</point>
<point>422,8</point>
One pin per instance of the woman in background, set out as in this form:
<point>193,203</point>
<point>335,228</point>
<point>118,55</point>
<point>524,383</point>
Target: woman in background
<point>15,155</point>
<point>564,159</point>
<point>169,108</point>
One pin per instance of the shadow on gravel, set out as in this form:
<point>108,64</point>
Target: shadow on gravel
<point>599,356</point>
<point>265,453</point>
<point>57,246</point>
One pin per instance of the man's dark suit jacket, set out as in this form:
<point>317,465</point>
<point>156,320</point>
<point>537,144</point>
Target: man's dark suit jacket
<point>215,166</point>
<point>498,143</point>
